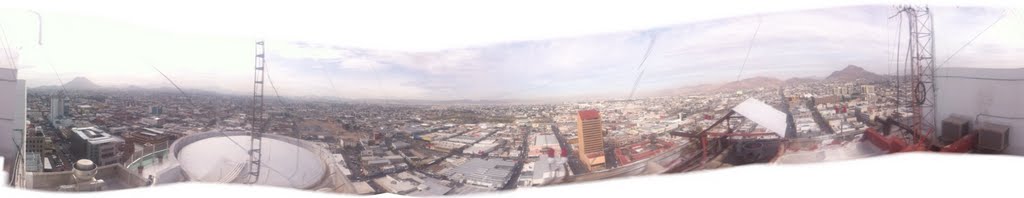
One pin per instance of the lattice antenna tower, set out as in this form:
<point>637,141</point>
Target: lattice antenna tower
<point>921,62</point>
<point>256,118</point>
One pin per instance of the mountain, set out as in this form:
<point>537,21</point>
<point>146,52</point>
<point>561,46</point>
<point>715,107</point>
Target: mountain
<point>750,83</point>
<point>800,81</point>
<point>851,73</point>
<point>81,83</point>
<point>745,84</point>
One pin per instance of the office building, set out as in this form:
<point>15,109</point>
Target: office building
<point>96,145</point>
<point>591,139</point>
<point>38,142</point>
<point>156,110</point>
<point>56,108</point>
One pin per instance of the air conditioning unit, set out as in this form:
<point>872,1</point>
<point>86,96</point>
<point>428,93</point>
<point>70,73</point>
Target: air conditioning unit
<point>953,128</point>
<point>993,138</point>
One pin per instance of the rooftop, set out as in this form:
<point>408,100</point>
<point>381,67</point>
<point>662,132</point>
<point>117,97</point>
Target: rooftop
<point>589,114</point>
<point>95,135</point>
<point>542,140</point>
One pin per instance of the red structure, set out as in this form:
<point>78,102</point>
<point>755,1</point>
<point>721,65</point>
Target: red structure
<point>628,154</point>
<point>589,114</point>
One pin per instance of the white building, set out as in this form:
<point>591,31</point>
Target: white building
<point>96,145</point>
<point>12,112</point>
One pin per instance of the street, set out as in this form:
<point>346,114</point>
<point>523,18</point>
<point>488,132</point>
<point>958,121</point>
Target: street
<point>521,159</point>
<point>575,164</point>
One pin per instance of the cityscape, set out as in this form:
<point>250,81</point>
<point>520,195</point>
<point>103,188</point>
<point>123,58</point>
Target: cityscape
<point>82,136</point>
<point>431,149</point>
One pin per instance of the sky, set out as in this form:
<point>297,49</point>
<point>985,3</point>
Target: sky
<point>513,51</point>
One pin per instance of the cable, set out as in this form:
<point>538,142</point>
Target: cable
<point>984,78</point>
<point>654,38</point>
<point>749,48</point>
<point>995,116</point>
<point>175,85</point>
<point>7,47</point>
<point>972,39</point>
<point>267,72</point>
<point>46,55</point>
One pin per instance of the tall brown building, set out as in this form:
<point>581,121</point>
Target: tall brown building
<point>591,139</point>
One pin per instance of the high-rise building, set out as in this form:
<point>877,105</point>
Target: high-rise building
<point>591,139</point>
<point>156,110</point>
<point>56,108</point>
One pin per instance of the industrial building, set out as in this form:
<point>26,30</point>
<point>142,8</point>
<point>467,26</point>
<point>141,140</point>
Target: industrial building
<point>546,169</point>
<point>96,145</point>
<point>490,173</point>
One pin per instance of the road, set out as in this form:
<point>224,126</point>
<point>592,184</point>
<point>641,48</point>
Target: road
<point>575,164</point>
<point>610,161</point>
<point>819,119</point>
<point>521,159</point>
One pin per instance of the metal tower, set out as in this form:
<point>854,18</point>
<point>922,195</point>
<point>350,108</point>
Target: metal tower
<point>921,62</point>
<point>256,118</point>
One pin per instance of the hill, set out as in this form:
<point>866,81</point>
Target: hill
<point>81,83</point>
<point>852,73</point>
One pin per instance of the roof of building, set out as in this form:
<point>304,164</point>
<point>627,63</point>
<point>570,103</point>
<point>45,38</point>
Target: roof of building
<point>589,114</point>
<point>489,169</point>
<point>394,186</point>
<point>433,187</point>
<point>33,162</point>
<point>95,135</point>
<point>543,140</point>
<point>764,115</point>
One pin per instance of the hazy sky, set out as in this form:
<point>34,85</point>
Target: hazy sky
<point>118,50</point>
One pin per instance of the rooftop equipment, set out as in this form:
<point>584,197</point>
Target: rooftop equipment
<point>993,138</point>
<point>953,128</point>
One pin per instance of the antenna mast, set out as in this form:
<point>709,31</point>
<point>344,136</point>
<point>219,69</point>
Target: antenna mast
<point>256,118</point>
<point>921,62</point>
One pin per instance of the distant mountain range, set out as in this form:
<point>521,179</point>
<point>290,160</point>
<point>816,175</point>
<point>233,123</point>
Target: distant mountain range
<point>849,73</point>
<point>79,83</point>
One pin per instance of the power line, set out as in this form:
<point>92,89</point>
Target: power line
<point>984,78</point>
<point>274,87</point>
<point>749,48</point>
<point>972,39</point>
<point>7,46</point>
<point>46,56</point>
<point>175,85</point>
<point>654,38</point>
